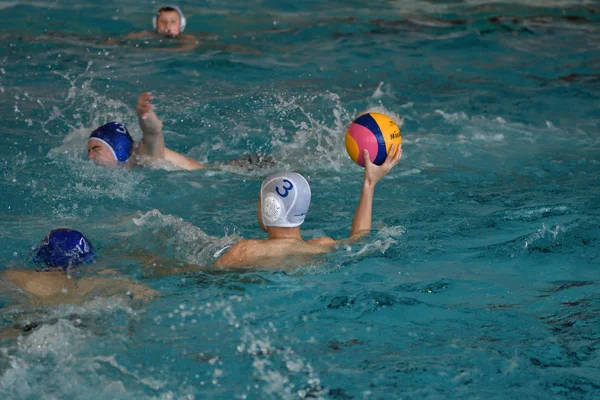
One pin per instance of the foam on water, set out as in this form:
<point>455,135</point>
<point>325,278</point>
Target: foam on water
<point>186,241</point>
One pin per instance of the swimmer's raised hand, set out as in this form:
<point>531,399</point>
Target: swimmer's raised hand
<point>373,172</point>
<point>144,107</point>
<point>361,224</point>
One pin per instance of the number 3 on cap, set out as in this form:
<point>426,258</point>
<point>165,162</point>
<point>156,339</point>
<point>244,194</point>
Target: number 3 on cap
<point>120,128</point>
<point>287,189</point>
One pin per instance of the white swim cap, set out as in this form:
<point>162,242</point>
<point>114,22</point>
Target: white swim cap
<point>285,198</point>
<point>182,20</point>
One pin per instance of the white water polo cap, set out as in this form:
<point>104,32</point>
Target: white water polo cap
<point>182,20</point>
<point>285,198</point>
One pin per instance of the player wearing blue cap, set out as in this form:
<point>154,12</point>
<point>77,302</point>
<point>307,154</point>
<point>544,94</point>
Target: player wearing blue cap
<point>57,278</point>
<point>63,249</point>
<point>111,144</point>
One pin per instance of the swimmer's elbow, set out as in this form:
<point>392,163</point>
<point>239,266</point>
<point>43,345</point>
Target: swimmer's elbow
<point>234,257</point>
<point>194,165</point>
<point>225,261</point>
<point>358,234</point>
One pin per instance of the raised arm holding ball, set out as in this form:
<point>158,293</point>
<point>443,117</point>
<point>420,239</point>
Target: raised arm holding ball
<point>285,197</point>
<point>283,203</point>
<point>282,206</point>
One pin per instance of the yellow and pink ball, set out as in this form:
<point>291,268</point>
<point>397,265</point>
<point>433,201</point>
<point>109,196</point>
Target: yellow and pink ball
<point>374,132</point>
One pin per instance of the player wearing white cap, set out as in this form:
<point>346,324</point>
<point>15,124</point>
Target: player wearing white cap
<point>282,206</point>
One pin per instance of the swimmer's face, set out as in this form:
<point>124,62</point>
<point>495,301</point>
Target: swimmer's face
<point>168,23</point>
<point>101,154</point>
<point>259,214</point>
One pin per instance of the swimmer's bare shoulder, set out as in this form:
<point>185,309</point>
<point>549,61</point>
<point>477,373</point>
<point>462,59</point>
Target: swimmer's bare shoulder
<point>139,35</point>
<point>38,284</point>
<point>256,252</point>
<point>238,255</point>
<point>323,240</point>
<point>56,287</point>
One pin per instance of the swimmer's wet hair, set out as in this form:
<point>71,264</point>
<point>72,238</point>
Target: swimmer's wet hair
<point>166,8</point>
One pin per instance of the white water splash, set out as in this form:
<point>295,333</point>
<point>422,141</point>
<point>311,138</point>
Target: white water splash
<point>545,237</point>
<point>192,243</point>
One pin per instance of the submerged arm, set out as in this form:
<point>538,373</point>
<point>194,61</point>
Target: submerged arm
<point>187,43</point>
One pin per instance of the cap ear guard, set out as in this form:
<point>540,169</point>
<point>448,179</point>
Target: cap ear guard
<point>271,209</point>
<point>285,200</point>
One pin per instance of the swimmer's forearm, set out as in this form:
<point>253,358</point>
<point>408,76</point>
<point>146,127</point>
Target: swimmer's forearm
<point>181,161</point>
<point>361,224</point>
<point>153,143</point>
<point>150,124</point>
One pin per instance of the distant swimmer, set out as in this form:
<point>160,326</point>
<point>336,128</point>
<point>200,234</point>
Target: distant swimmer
<point>111,144</point>
<point>57,280</point>
<point>168,22</point>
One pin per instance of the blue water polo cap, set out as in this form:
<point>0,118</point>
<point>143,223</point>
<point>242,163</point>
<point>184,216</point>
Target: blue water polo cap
<point>64,247</point>
<point>116,137</point>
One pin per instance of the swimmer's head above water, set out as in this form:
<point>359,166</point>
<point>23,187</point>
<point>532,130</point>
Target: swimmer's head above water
<point>62,249</point>
<point>284,200</point>
<point>169,20</point>
<point>110,144</point>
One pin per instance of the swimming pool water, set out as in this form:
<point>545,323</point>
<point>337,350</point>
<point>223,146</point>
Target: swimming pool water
<point>480,278</point>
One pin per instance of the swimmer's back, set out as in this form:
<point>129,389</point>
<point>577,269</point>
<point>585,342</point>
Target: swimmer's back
<point>275,253</point>
<point>40,284</point>
<point>53,288</point>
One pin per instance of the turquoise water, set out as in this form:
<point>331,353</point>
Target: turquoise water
<point>480,278</point>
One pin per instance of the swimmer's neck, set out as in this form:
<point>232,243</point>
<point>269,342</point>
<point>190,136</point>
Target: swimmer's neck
<point>276,232</point>
<point>166,35</point>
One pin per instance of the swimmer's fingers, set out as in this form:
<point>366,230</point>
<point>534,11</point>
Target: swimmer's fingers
<point>144,107</point>
<point>373,173</point>
<point>394,155</point>
<point>367,160</point>
<point>393,158</point>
